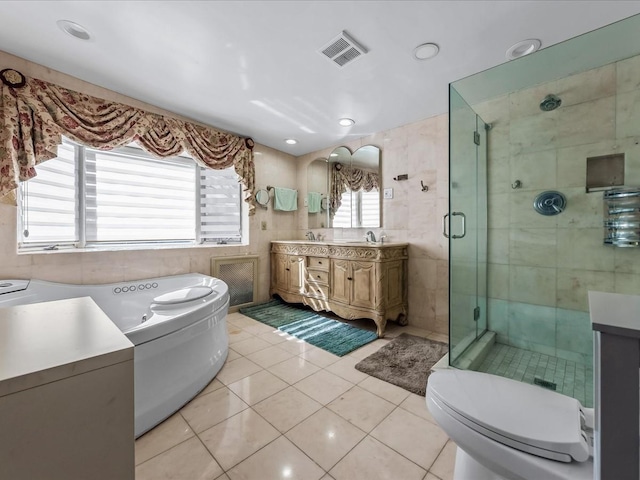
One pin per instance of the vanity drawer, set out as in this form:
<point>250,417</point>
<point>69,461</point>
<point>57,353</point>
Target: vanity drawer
<point>315,290</point>
<point>319,263</point>
<point>318,276</point>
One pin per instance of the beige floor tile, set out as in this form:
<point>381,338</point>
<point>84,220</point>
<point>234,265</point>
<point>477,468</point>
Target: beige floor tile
<point>439,337</point>
<point>345,368</point>
<point>171,432</point>
<point>443,466</point>
<point>257,387</point>
<point>319,357</point>
<point>274,337</point>
<point>269,356</point>
<point>323,386</point>
<point>238,437</point>
<point>417,405</point>
<point>187,460</point>
<point>242,321</point>
<point>279,460</point>
<point>372,459</point>
<point>287,408</point>
<point>259,329</point>
<point>325,437</point>
<point>418,440</point>
<point>368,349</point>
<point>233,355</point>
<point>293,370</point>
<point>362,408</point>
<point>236,336</point>
<point>418,332</point>
<point>327,477</point>
<point>237,369</point>
<point>431,476</point>
<point>214,385</point>
<point>393,394</point>
<point>208,410</point>
<point>295,345</point>
<point>250,345</point>
<point>225,477</point>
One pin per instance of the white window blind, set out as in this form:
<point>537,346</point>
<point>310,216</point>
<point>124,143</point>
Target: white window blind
<point>370,208</point>
<point>88,198</point>
<point>48,202</point>
<point>131,198</point>
<point>220,206</point>
<point>342,218</point>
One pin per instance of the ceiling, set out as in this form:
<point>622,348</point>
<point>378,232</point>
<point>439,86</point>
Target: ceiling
<point>254,67</point>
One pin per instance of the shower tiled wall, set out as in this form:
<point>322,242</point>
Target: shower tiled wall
<point>541,268</point>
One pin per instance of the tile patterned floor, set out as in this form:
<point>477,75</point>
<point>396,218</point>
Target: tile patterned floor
<point>283,409</point>
<point>572,379</point>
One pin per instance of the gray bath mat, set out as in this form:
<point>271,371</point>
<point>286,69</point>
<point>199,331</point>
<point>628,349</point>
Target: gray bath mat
<point>406,361</point>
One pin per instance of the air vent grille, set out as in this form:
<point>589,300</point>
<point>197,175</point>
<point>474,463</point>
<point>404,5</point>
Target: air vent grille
<point>241,276</point>
<point>342,50</point>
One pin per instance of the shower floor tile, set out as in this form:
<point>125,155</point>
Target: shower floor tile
<point>571,378</point>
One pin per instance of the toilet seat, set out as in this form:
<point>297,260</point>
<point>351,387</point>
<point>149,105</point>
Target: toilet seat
<point>515,414</point>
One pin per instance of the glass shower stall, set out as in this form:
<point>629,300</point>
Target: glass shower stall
<point>534,146</point>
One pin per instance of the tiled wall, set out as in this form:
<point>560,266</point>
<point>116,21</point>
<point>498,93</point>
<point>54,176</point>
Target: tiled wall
<point>420,150</point>
<point>272,167</point>
<point>541,268</point>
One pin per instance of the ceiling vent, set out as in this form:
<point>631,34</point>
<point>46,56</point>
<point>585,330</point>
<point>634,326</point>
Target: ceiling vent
<point>342,50</point>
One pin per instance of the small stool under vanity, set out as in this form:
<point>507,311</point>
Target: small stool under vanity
<point>66,393</point>
<point>353,280</point>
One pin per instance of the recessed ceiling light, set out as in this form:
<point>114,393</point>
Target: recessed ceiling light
<point>426,51</point>
<point>525,47</point>
<point>291,141</point>
<point>346,122</point>
<point>74,29</point>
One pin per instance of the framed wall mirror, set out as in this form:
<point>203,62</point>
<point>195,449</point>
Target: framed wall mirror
<point>354,188</point>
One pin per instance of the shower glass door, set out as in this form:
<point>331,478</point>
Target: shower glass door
<point>466,227</point>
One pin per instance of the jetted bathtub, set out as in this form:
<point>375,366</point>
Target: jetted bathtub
<point>176,323</point>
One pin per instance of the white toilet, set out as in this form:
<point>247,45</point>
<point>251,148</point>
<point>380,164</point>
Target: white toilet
<point>511,430</point>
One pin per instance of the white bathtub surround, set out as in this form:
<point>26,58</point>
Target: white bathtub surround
<point>177,325</point>
<point>66,393</point>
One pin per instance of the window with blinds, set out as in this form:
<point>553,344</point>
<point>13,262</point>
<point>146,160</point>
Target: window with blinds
<point>88,198</point>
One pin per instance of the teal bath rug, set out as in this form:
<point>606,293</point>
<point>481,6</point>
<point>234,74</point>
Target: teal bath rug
<point>330,335</point>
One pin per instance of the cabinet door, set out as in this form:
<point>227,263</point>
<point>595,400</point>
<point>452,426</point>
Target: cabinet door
<point>363,290</point>
<point>340,288</point>
<point>281,274</point>
<point>296,273</point>
<point>393,283</point>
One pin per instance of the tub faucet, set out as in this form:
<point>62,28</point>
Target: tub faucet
<point>370,237</point>
<point>310,236</point>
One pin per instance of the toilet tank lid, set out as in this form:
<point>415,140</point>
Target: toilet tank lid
<point>507,409</point>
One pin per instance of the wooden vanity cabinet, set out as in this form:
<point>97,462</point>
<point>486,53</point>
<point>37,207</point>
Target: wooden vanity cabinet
<point>363,281</point>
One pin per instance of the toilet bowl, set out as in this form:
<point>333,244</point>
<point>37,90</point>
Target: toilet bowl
<point>509,430</point>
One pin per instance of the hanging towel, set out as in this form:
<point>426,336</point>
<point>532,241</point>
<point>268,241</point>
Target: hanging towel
<point>285,199</point>
<point>313,199</point>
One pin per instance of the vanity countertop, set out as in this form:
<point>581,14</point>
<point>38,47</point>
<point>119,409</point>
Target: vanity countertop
<point>343,243</point>
<point>45,342</point>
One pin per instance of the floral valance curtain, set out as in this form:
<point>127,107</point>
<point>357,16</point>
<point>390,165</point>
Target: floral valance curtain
<point>345,178</point>
<point>35,114</point>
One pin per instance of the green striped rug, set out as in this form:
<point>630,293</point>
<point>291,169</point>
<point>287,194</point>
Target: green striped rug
<point>330,335</point>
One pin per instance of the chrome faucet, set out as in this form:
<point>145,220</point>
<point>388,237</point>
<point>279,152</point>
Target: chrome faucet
<point>370,237</point>
<point>382,237</point>
<point>310,236</point>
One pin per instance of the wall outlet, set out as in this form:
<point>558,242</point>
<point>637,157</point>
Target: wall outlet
<point>388,193</point>
<point>263,225</point>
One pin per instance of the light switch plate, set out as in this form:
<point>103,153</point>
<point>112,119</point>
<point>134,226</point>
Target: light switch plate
<point>388,193</point>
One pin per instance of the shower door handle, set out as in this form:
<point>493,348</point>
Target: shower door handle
<point>464,224</point>
<point>444,225</point>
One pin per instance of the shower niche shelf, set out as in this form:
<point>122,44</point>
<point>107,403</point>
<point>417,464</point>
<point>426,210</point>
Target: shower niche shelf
<point>622,217</point>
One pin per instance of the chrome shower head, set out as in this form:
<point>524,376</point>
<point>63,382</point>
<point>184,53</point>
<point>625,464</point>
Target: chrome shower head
<point>550,102</point>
